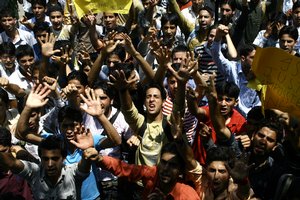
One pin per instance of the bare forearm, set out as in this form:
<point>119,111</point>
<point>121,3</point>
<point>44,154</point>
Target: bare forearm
<point>126,101</point>
<point>96,68</point>
<point>97,44</point>
<point>15,89</point>
<point>231,48</point>
<point>110,130</point>
<point>144,65</point>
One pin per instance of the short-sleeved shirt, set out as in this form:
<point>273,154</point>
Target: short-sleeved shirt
<point>67,186</point>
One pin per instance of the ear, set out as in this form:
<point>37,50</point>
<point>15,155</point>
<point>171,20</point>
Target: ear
<point>243,58</point>
<point>236,102</point>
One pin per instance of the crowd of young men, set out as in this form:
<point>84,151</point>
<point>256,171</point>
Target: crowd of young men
<point>153,104</point>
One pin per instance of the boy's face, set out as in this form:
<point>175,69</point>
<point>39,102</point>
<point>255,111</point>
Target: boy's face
<point>227,104</point>
<point>8,61</point>
<point>52,162</point>
<point>169,30</point>
<point>287,43</point>
<point>8,23</point>
<point>56,18</point>
<point>204,19</point>
<point>110,20</point>
<point>26,63</point>
<point>41,35</point>
<point>38,11</point>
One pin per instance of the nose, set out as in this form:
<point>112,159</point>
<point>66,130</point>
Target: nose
<point>50,163</point>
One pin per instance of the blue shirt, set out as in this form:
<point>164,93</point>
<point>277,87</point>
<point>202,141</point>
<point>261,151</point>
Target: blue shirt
<point>248,98</point>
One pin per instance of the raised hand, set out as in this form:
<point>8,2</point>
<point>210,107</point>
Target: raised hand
<point>163,56</point>
<point>50,83</point>
<point>119,81</point>
<point>47,46</point>
<point>187,68</point>
<point>24,21</point>
<point>127,44</point>
<point>240,169</point>
<point>110,45</point>
<point>37,96</point>
<point>90,19</point>
<point>93,105</point>
<point>204,131</point>
<point>84,137</point>
<point>69,91</point>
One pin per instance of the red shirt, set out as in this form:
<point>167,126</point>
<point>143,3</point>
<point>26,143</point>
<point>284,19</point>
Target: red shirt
<point>148,175</point>
<point>236,126</point>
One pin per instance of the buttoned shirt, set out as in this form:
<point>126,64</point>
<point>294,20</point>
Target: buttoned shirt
<point>67,187</point>
<point>24,38</point>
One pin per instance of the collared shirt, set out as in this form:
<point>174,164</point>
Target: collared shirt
<point>33,21</point>
<point>24,38</point>
<point>263,42</point>
<point>148,175</point>
<point>248,98</point>
<point>20,80</point>
<point>67,186</point>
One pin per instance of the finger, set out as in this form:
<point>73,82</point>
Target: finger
<point>93,94</point>
<point>84,99</point>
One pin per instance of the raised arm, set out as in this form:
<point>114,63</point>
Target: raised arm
<point>218,121</point>
<point>91,22</point>
<point>36,99</point>
<point>110,45</point>
<point>12,88</point>
<point>137,56</point>
<point>163,56</point>
<point>94,109</point>
<point>185,26</point>
<point>8,161</point>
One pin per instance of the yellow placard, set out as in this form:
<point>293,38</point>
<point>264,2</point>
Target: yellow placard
<point>115,6</point>
<point>280,73</point>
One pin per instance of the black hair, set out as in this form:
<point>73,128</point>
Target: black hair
<point>231,3</point>
<point>24,50</point>
<point>127,68</point>
<point>53,142</point>
<point>274,125</point>
<point>5,137</point>
<point>70,113</point>
<point>296,5</point>
<point>120,52</point>
<point>7,48</point>
<point>290,30</point>
<point>208,9</point>
<point>78,75</point>
<point>154,85</point>
<point>41,26</point>
<point>169,17</point>
<point>279,17</point>
<point>220,153</point>
<point>39,2</point>
<point>172,148</point>
<point>246,49</point>
<point>4,96</point>
<point>7,13</point>
<point>229,89</point>
<point>107,89</point>
<point>180,48</point>
<point>55,8</point>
